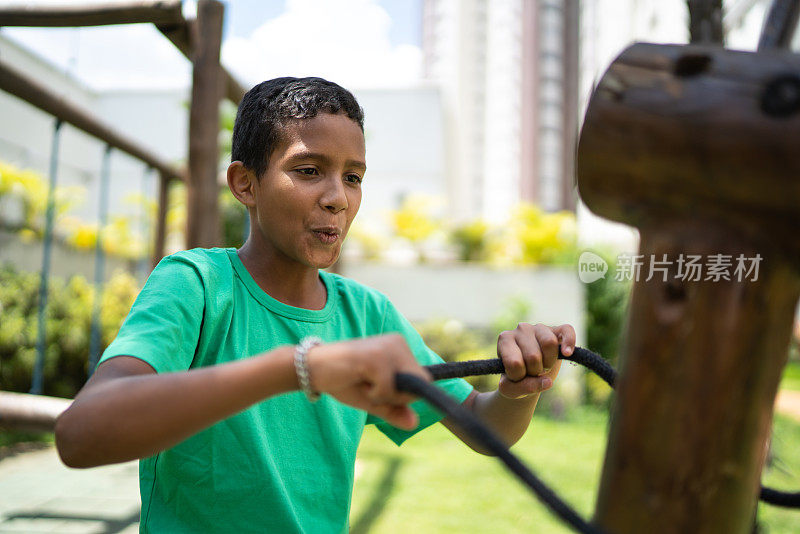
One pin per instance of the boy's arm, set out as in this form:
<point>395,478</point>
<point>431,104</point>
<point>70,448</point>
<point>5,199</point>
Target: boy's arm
<point>530,357</point>
<point>128,411</point>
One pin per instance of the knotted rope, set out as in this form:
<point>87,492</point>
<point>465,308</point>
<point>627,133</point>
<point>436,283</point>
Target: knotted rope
<point>486,437</point>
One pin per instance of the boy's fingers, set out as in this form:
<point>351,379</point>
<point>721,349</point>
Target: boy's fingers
<point>400,416</point>
<point>511,354</point>
<point>525,338</point>
<point>566,335</point>
<point>381,385</point>
<point>528,386</point>
<point>548,343</point>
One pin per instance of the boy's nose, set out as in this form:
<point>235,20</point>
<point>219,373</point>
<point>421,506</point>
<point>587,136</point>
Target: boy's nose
<point>334,199</point>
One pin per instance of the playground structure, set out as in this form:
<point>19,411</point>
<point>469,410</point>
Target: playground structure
<point>200,41</point>
<point>694,145</point>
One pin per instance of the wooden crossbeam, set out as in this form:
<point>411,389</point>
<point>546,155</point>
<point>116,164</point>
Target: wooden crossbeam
<point>165,14</point>
<point>61,15</point>
<point>180,36</point>
<point>780,26</point>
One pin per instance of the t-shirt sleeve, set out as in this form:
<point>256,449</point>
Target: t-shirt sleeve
<point>163,326</point>
<point>458,388</point>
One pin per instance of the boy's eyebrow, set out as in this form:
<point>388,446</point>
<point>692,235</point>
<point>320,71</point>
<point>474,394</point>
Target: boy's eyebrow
<point>325,159</point>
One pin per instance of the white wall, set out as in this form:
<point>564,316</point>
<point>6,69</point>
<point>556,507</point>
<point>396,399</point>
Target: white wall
<point>405,148</point>
<point>476,294</point>
<point>157,120</point>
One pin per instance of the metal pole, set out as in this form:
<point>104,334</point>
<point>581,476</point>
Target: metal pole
<point>99,263</point>
<point>47,243</point>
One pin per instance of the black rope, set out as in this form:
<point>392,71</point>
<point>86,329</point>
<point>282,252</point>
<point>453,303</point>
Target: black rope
<point>780,498</point>
<point>582,356</point>
<point>482,434</point>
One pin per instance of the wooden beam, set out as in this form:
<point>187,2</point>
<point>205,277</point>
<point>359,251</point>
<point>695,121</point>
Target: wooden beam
<point>31,413</point>
<point>207,85</point>
<point>696,146</point>
<point>780,25</point>
<point>180,36</point>
<point>40,96</point>
<point>234,91</point>
<point>100,14</point>
<point>165,14</point>
<point>705,22</point>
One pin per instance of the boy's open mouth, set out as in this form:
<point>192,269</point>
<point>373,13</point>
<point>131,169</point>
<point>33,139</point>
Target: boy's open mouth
<point>327,236</point>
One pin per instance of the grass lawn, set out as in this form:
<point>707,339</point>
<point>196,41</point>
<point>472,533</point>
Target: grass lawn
<point>791,376</point>
<point>12,437</point>
<point>433,483</point>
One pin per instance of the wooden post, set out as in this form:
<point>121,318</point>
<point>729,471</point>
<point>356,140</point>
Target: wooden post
<point>161,220</point>
<point>202,189</point>
<point>705,21</point>
<point>697,147</point>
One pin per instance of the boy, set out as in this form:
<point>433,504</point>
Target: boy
<point>214,378</point>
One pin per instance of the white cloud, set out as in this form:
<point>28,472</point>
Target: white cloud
<point>345,41</point>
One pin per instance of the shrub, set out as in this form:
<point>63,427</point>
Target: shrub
<point>470,239</point>
<point>29,190</point>
<point>68,319</point>
<point>606,307</point>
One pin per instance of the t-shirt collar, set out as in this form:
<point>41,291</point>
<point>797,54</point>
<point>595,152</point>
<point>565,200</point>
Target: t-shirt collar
<point>279,307</point>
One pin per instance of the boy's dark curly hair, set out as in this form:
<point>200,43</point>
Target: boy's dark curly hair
<point>269,106</point>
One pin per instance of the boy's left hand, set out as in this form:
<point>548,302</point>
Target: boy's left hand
<point>530,357</point>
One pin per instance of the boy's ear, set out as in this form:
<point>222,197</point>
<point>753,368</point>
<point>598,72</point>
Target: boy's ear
<point>241,182</point>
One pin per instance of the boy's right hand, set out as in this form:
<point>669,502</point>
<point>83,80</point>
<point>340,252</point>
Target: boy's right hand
<point>361,373</point>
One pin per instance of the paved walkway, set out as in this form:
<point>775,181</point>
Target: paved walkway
<point>39,494</point>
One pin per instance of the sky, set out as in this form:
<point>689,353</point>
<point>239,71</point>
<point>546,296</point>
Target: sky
<point>357,43</point>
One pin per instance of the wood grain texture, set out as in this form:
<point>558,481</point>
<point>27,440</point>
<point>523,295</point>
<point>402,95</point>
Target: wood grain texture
<point>680,130</point>
<point>207,86</point>
<point>92,14</point>
<point>676,142</point>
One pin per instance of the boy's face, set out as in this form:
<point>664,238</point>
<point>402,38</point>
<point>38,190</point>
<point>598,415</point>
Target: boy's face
<point>311,190</point>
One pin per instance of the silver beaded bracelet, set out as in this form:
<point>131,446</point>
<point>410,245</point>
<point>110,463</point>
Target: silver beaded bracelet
<point>301,366</point>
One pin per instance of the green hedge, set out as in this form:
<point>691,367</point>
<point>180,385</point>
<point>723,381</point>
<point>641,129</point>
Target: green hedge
<point>68,319</point>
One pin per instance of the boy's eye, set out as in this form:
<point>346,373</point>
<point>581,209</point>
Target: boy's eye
<point>308,171</point>
<point>354,178</point>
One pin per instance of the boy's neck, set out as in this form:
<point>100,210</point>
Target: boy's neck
<point>283,280</point>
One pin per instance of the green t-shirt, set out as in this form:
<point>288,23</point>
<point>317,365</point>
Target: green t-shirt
<point>283,465</point>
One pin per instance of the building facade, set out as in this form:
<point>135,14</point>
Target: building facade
<point>508,70</point>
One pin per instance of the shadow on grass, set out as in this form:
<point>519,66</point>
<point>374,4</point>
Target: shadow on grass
<point>376,504</point>
<point>111,526</point>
